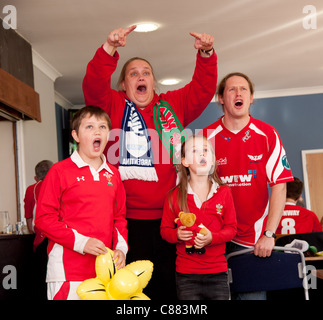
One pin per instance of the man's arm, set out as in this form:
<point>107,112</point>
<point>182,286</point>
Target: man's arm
<point>277,201</point>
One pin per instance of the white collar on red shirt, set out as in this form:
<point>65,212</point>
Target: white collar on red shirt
<point>197,200</point>
<point>76,158</point>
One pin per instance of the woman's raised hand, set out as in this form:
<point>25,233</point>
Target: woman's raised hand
<point>117,38</point>
<point>203,41</point>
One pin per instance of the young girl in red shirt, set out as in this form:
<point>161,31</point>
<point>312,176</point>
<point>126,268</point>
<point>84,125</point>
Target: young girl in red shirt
<point>200,275</point>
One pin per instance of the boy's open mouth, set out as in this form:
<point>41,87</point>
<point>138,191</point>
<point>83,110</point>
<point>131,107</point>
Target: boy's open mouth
<point>97,144</point>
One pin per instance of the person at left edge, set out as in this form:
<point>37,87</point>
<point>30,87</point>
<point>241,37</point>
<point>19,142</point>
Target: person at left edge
<point>81,208</point>
<point>40,241</point>
<point>146,188</point>
<point>31,197</point>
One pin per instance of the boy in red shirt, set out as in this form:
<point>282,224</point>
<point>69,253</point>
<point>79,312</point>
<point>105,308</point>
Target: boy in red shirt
<point>81,208</point>
<point>297,219</point>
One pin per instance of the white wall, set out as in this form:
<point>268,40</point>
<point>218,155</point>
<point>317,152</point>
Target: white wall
<point>37,141</point>
<point>7,171</point>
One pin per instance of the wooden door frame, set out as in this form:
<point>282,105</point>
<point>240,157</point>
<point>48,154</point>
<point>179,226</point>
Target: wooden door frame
<point>4,117</point>
<point>306,185</point>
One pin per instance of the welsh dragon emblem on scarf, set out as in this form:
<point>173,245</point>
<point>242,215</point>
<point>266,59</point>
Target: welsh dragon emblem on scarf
<point>136,159</point>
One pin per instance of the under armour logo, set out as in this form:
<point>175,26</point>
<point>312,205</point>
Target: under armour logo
<point>79,179</point>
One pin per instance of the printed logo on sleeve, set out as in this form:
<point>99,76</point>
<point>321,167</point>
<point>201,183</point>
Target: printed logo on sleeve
<point>285,163</point>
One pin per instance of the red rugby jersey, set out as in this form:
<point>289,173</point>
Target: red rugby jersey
<point>31,196</point>
<point>297,219</point>
<point>217,214</point>
<point>247,162</point>
<point>76,203</point>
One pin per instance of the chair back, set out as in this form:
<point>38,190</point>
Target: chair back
<point>284,269</point>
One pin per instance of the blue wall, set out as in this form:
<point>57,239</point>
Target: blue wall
<point>298,120</point>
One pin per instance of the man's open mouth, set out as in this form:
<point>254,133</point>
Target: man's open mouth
<point>238,103</point>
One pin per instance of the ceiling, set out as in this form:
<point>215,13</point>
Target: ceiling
<point>264,38</point>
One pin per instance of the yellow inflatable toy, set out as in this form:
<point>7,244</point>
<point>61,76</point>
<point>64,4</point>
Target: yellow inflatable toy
<point>112,284</point>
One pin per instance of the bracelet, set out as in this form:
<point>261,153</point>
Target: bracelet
<point>207,51</point>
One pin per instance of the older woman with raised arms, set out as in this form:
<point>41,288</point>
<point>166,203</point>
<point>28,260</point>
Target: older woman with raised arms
<point>152,127</point>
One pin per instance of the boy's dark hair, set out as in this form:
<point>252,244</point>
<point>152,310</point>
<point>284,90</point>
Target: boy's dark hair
<point>294,189</point>
<point>42,168</point>
<point>91,111</point>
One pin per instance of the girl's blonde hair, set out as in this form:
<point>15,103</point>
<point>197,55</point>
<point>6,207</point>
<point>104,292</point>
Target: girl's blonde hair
<point>184,175</point>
